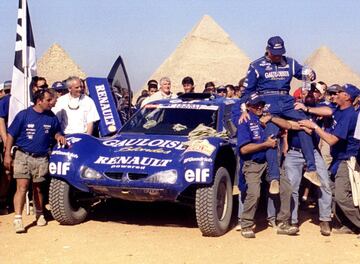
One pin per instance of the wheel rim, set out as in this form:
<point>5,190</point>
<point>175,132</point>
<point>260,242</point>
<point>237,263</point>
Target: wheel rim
<point>222,199</point>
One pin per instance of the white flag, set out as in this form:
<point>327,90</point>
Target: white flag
<point>24,64</point>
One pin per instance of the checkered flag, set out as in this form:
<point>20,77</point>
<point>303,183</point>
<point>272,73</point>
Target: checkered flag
<point>24,64</point>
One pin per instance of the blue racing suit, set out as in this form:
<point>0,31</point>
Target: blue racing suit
<point>272,82</point>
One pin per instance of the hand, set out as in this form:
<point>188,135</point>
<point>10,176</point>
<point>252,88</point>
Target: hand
<point>299,106</point>
<point>307,124</point>
<point>312,75</point>
<point>244,117</point>
<point>8,161</point>
<point>271,142</point>
<point>265,119</point>
<point>61,140</point>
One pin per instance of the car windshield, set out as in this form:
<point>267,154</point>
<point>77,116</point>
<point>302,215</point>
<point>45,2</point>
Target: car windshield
<point>173,119</point>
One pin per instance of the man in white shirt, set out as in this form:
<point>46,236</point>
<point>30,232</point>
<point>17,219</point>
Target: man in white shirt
<point>163,93</point>
<point>75,110</point>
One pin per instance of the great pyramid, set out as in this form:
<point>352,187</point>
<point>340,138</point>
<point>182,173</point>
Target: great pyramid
<point>329,68</point>
<point>57,65</point>
<point>207,54</point>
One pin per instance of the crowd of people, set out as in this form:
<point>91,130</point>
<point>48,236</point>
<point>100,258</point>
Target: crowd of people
<point>311,138</point>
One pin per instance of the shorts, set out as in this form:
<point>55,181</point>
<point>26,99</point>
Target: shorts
<point>28,167</point>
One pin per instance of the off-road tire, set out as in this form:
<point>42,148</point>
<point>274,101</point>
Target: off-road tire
<point>213,205</point>
<point>62,203</point>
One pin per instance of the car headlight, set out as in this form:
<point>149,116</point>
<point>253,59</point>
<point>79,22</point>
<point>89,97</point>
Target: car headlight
<point>90,174</point>
<point>168,176</point>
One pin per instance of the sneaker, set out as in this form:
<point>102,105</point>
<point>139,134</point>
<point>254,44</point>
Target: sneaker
<point>274,187</point>
<point>19,226</point>
<point>40,220</point>
<point>247,232</point>
<point>325,228</point>
<point>343,230</point>
<point>313,177</point>
<point>284,228</point>
<point>272,223</point>
<point>238,226</point>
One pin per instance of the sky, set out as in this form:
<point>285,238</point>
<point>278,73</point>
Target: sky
<point>146,32</point>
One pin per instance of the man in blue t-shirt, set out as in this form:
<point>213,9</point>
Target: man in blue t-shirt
<point>344,149</point>
<point>253,144</point>
<point>31,133</point>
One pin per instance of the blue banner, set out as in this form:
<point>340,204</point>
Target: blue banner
<point>100,92</point>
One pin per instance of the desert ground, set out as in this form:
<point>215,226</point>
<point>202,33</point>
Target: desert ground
<point>128,232</point>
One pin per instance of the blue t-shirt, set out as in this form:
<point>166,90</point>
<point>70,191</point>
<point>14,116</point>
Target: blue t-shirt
<point>33,132</point>
<point>251,131</point>
<point>4,107</point>
<point>343,127</point>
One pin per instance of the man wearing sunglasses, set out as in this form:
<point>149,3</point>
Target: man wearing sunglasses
<point>32,133</point>
<point>75,110</point>
<point>344,144</point>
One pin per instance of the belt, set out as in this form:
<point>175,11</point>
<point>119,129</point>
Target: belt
<point>34,155</point>
<point>295,149</point>
<point>273,92</point>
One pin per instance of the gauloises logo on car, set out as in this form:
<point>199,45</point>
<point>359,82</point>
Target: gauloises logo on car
<point>145,142</point>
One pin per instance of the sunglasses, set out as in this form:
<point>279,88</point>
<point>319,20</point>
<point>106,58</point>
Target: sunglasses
<point>43,86</point>
<point>221,91</point>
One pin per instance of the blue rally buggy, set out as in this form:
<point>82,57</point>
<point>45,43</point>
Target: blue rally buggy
<point>149,160</point>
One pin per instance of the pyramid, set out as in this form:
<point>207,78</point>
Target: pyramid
<point>57,65</point>
<point>206,54</point>
<point>330,69</point>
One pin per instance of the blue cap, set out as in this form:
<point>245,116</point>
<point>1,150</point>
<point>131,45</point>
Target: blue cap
<point>351,90</point>
<point>276,46</point>
<point>58,86</point>
<point>255,99</point>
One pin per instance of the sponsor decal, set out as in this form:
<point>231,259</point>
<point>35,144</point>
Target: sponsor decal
<point>46,128</point>
<point>72,140</point>
<point>69,155</point>
<point>144,142</point>
<point>276,74</point>
<point>191,106</point>
<point>202,146</point>
<point>199,175</point>
<point>140,149</point>
<point>105,107</point>
<point>133,160</point>
<point>59,168</point>
<point>199,159</point>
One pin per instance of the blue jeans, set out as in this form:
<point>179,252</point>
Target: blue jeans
<point>283,106</point>
<point>294,164</point>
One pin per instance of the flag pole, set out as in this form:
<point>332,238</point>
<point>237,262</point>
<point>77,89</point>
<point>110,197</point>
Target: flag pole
<point>25,55</point>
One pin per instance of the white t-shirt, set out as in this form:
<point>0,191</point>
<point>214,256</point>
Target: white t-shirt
<point>75,113</point>
<point>357,129</point>
<point>157,96</point>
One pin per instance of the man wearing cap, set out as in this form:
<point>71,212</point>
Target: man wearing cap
<point>270,77</point>
<point>59,88</point>
<point>163,93</point>
<point>253,143</point>
<point>344,149</point>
